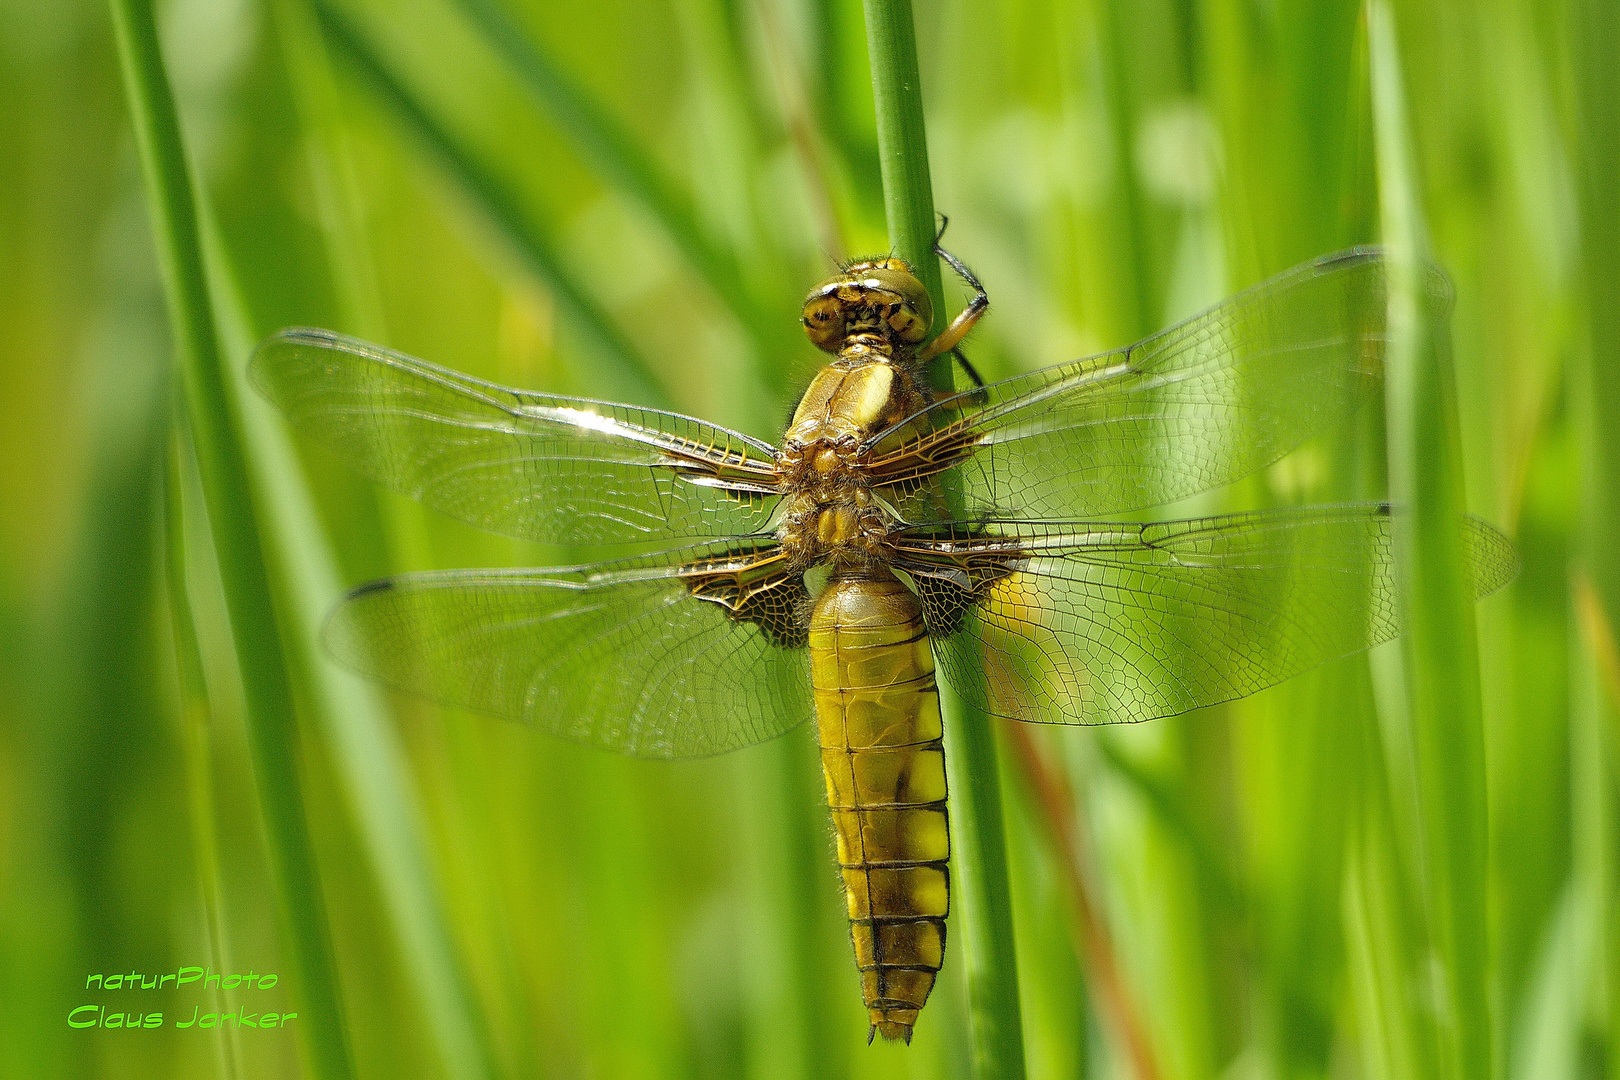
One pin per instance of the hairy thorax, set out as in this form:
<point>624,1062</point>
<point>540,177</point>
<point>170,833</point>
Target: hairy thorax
<point>832,514</point>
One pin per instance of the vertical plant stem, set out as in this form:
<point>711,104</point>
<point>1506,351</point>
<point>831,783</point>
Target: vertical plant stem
<point>612,152</point>
<point>196,715</point>
<point>1057,803</point>
<point>1376,936</point>
<point>539,252</point>
<point>799,115</point>
<point>1595,393</point>
<point>212,421</point>
<point>330,154</point>
<point>1599,636</point>
<point>983,908</point>
<point>1441,650</point>
<point>908,192</point>
<point>346,716</point>
<point>984,899</point>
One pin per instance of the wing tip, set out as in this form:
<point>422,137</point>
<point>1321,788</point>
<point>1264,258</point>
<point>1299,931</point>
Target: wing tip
<point>1494,559</point>
<point>301,335</point>
<point>260,369</point>
<point>1441,292</point>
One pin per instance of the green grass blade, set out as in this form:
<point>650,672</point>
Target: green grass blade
<point>310,77</point>
<point>1059,808</point>
<point>196,714</point>
<point>1135,297</point>
<point>983,913</point>
<point>1595,391</point>
<point>622,362</point>
<point>222,467</point>
<point>1441,649</point>
<point>908,192</point>
<point>358,735</point>
<point>612,152</point>
<point>352,721</point>
<point>1390,1043</point>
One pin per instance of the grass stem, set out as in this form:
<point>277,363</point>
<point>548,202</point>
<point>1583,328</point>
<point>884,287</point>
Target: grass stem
<point>196,716</point>
<point>612,152</point>
<point>1441,649</point>
<point>213,420</point>
<point>1595,396</point>
<point>983,909</point>
<point>1095,944</point>
<point>624,371</point>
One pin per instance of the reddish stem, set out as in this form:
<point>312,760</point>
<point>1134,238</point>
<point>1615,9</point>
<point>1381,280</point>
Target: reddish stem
<point>1096,948</point>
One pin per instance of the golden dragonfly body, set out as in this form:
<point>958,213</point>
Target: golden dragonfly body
<point>1032,607</point>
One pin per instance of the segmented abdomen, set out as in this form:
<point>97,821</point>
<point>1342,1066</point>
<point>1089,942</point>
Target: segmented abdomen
<point>877,711</point>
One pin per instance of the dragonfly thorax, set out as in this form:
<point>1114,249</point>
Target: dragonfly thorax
<point>847,531</point>
<point>853,398</point>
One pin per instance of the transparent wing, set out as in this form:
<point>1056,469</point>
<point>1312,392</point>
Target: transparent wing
<point>621,656</point>
<point>556,469</point>
<point>1100,623</point>
<point>1191,408</point>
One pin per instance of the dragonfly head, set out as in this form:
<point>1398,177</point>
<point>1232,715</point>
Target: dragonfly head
<point>880,297</point>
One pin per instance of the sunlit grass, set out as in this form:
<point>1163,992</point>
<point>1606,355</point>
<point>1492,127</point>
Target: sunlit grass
<point>210,415</point>
<point>1335,878</point>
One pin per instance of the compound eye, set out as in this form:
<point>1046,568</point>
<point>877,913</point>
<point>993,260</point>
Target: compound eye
<point>823,320</point>
<point>911,319</point>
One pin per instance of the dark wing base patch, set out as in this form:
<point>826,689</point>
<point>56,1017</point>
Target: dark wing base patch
<point>755,585</point>
<point>623,656</point>
<point>1096,623</point>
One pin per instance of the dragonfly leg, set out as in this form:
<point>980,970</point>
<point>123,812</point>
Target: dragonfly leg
<point>971,371</point>
<point>952,335</point>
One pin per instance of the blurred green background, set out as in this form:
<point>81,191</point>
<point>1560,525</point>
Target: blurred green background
<point>628,201</point>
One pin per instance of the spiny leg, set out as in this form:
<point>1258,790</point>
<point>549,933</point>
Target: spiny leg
<point>972,372</point>
<point>952,335</point>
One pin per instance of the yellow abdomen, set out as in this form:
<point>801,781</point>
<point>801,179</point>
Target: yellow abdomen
<point>877,712</point>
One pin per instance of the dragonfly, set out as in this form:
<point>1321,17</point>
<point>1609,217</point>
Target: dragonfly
<point>997,536</point>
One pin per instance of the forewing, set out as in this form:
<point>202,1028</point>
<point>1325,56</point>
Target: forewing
<point>554,469</point>
<point>1097,624</point>
<point>620,656</point>
<point>1191,408</point>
